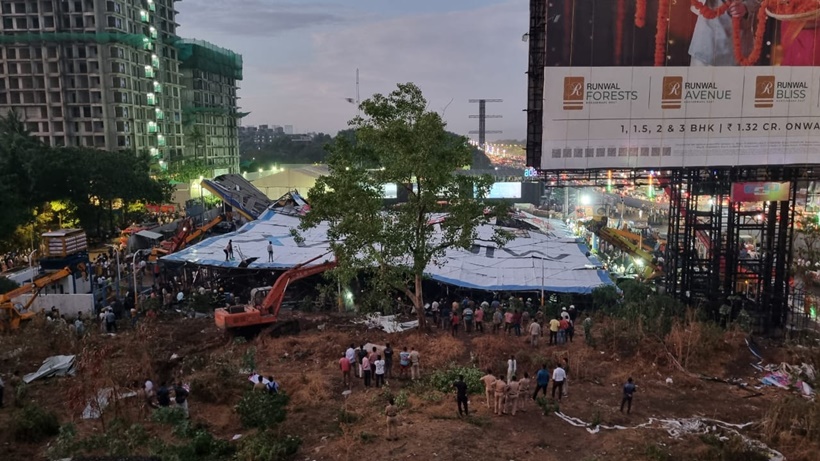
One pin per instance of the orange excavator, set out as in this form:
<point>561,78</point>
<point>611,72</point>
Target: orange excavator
<point>13,314</point>
<point>185,235</point>
<point>244,319</point>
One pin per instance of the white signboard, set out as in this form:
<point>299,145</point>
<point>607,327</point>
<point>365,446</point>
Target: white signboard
<point>505,190</point>
<point>666,117</point>
<point>390,191</point>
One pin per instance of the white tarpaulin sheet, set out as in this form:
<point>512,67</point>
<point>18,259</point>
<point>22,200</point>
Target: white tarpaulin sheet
<point>387,323</point>
<point>96,406</point>
<point>57,365</point>
<point>552,260</point>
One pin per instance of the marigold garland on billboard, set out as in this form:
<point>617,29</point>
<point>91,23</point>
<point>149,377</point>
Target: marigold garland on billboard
<point>718,83</point>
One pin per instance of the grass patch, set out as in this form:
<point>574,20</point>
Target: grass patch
<point>479,421</point>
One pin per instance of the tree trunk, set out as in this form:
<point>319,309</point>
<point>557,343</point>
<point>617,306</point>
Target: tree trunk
<point>418,301</point>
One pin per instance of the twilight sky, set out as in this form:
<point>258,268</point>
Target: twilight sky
<point>300,56</point>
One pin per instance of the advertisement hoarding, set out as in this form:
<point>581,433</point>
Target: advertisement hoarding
<point>505,190</point>
<point>761,191</point>
<point>620,95</point>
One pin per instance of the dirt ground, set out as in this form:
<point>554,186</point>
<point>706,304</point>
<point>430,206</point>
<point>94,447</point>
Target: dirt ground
<point>307,367</point>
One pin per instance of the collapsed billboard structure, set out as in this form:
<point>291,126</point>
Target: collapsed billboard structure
<point>546,257</point>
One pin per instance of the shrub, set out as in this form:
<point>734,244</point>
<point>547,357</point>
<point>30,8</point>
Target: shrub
<point>262,410</point>
<point>34,424</point>
<point>402,399</point>
<point>249,359</point>
<point>265,446</point>
<point>548,406</point>
<point>168,415</point>
<point>66,445</point>
<point>442,380</point>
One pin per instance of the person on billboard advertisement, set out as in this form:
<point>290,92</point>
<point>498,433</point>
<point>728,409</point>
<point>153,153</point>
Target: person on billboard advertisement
<point>801,43</point>
<point>680,33</point>
<point>713,38</point>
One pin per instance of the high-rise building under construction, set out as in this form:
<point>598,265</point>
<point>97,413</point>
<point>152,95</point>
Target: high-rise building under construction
<point>108,74</point>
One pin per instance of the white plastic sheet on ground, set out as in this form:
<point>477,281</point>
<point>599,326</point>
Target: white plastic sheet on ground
<point>388,323</point>
<point>57,365</point>
<point>680,427</point>
<point>96,405</point>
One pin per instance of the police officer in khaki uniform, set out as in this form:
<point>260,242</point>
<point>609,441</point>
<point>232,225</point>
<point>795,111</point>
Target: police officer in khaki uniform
<point>391,411</point>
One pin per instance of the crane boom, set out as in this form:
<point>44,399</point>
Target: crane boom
<point>37,284</point>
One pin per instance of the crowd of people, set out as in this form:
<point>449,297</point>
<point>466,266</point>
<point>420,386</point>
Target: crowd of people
<point>374,365</point>
<point>512,317</point>
<point>14,260</point>
<point>162,398</point>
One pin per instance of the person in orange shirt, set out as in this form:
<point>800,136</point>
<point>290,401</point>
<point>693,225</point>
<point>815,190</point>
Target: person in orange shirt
<point>563,326</point>
<point>344,365</point>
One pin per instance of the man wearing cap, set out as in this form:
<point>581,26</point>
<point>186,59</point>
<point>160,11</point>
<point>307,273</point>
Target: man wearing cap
<point>573,314</point>
<point>564,313</point>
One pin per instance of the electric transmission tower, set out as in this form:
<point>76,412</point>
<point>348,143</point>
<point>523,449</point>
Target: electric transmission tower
<point>482,120</point>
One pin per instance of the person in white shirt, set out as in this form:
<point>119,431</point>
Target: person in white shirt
<point>149,393</point>
<point>558,377</point>
<point>535,332</point>
<point>379,364</point>
<point>350,353</point>
<point>564,313</point>
<point>270,252</point>
<point>512,366</point>
<point>435,309</point>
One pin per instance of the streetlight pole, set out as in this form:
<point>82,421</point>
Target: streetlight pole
<point>31,265</point>
<point>134,268</point>
<point>542,283</point>
<point>119,275</point>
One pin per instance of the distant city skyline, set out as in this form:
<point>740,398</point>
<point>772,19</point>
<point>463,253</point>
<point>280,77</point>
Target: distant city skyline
<point>301,57</point>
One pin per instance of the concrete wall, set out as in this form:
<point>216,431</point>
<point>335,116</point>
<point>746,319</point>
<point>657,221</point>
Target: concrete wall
<point>69,305</point>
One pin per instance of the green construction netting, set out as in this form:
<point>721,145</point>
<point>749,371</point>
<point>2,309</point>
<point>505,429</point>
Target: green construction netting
<point>198,54</point>
<point>134,40</point>
<point>189,113</point>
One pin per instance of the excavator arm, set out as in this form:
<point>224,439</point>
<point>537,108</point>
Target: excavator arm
<point>273,301</point>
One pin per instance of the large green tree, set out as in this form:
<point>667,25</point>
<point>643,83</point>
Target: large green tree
<point>398,141</point>
<point>43,186</point>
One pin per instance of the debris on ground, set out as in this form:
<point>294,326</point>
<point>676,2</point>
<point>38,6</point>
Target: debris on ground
<point>95,407</point>
<point>56,365</point>
<point>786,376</point>
<point>677,428</point>
<point>387,323</point>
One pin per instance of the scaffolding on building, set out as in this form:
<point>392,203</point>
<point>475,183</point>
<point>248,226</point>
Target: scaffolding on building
<point>199,54</point>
